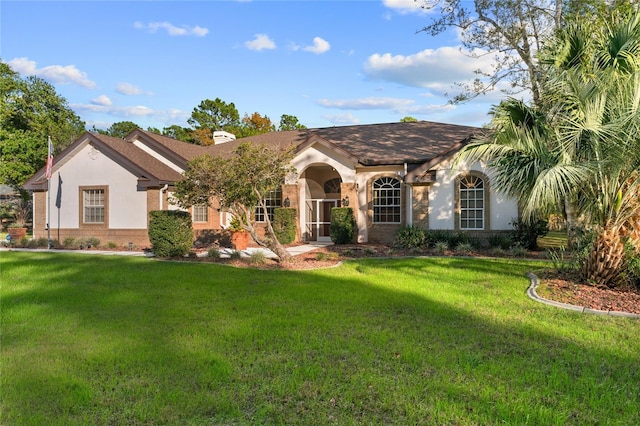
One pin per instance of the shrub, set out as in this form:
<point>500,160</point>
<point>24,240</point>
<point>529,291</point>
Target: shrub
<point>464,248</point>
<point>284,224</point>
<point>170,233</point>
<point>257,258</point>
<point>501,241</point>
<point>69,242</point>
<point>526,233</point>
<point>441,247</point>
<point>518,251</point>
<point>235,255</point>
<point>411,237</point>
<point>111,245</point>
<point>93,242</point>
<point>452,238</point>
<point>43,242</point>
<point>342,228</point>
<point>213,253</point>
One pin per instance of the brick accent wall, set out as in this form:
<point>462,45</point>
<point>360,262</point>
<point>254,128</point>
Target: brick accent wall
<point>420,206</point>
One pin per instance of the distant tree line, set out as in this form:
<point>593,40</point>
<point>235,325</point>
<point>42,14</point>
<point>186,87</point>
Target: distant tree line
<point>207,118</point>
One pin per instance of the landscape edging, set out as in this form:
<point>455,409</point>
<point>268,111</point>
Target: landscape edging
<point>531,292</point>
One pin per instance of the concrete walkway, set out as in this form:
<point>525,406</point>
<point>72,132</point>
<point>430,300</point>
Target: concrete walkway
<point>225,252</point>
<point>293,250</point>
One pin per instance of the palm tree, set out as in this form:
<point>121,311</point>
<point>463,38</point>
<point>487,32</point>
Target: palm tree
<point>581,147</point>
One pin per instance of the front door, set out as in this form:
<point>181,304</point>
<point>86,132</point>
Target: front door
<point>319,219</point>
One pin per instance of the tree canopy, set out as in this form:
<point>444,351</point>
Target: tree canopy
<point>119,129</point>
<point>240,183</point>
<point>511,32</point>
<point>579,147</point>
<point>30,112</point>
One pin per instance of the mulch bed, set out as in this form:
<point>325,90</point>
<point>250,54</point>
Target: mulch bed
<point>568,289</point>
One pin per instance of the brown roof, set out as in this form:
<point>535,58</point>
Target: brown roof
<point>373,144</point>
<point>420,144</point>
<point>149,170</point>
<point>144,165</point>
<point>179,151</point>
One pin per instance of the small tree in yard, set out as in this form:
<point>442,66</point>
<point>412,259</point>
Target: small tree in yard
<point>240,184</point>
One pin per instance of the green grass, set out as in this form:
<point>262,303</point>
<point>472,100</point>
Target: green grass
<point>553,240</point>
<point>119,340</point>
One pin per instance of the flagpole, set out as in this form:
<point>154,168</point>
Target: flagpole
<point>48,171</point>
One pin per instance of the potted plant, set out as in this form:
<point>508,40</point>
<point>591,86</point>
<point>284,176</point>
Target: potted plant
<point>239,235</point>
<point>20,212</point>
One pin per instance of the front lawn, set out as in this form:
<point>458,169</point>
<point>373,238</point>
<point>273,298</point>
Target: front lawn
<point>120,340</point>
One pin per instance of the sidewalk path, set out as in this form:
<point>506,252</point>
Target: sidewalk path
<point>225,252</point>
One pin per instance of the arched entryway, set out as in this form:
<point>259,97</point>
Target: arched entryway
<point>320,192</point>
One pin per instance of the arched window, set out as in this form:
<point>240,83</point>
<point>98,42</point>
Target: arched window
<point>386,200</point>
<point>472,202</point>
<point>332,186</point>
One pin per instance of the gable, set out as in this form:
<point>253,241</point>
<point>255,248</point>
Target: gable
<point>149,171</point>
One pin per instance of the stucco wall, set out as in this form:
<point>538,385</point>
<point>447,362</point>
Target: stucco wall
<point>127,207</point>
<point>502,210</point>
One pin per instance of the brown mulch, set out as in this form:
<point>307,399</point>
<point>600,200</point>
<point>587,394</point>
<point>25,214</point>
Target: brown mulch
<point>570,289</point>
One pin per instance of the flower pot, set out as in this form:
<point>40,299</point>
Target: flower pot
<point>17,233</point>
<point>239,240</point>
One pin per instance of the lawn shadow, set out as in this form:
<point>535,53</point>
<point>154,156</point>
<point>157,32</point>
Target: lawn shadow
<point>157,342</point>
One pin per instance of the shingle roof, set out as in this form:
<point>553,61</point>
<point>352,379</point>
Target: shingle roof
<point>373,144</point>
<point>149,170</point>
<point>147,166</point>
<point>421,144</point>
<point>186,151</point>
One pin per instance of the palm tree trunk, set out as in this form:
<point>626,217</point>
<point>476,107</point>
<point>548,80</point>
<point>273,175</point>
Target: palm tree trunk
<point>572,223</point>
<point>605,265</point>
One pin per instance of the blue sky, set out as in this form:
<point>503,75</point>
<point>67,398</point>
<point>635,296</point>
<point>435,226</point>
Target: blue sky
<point>329,63</point>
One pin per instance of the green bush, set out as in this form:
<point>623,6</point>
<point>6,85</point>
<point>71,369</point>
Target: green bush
<point>526,233</point>
<point>500,241</point>
<point>342,230</point>
<point>284,224</point>
<point>170,233</point>
<point>411,237</point>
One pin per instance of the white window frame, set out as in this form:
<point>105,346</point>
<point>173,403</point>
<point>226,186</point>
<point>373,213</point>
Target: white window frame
<point>471,196</point>
<point>386,195</point>
<point>272,200</point>
<point>93,206</point>
<point>200,213</point>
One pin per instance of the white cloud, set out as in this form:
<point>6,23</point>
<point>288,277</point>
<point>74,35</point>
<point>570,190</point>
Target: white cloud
<point>342,119</point>
<point>102,100</point>
<point>405,6</point>
<point>319,46</point>
<point>130,89</point>
<point>59,74</point>
<point>126,113</point>
<point>260,42</point>
<point>366,103</point>
<point>172,30</point>
<point>433,69</point>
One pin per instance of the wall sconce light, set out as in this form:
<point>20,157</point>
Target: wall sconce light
<point>287,202</point>
<point>130,246</point>
<point>345,201</point>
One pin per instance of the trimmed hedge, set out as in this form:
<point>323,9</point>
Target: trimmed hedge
<point>170,232</point>
<point>284,224</point>
<point>343,225</point>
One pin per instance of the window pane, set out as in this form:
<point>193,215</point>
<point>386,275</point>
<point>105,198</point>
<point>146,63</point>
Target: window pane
<point>386,200</point>
<point>200,213</point>
<point>471,200</point>
<point>272,201</point>
<point>93,205</point>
